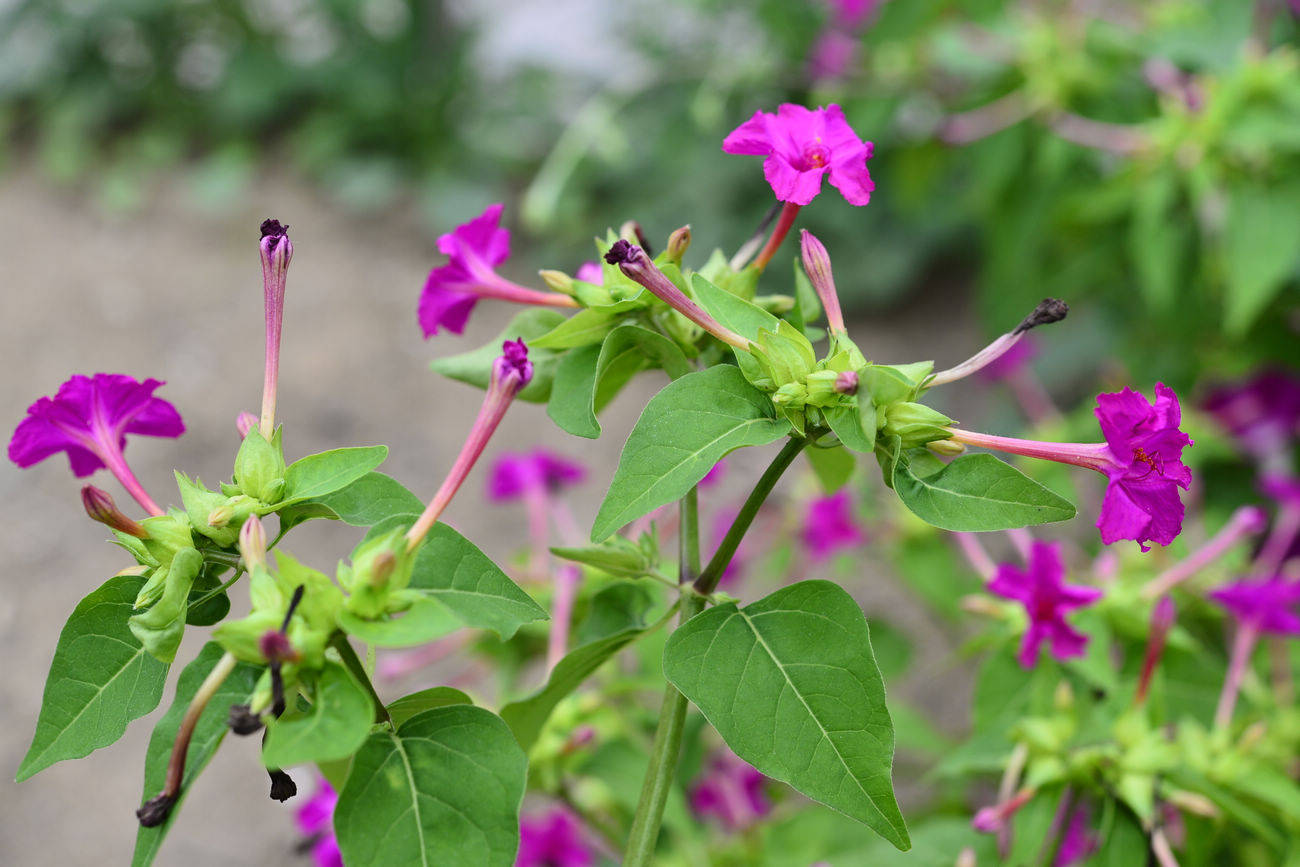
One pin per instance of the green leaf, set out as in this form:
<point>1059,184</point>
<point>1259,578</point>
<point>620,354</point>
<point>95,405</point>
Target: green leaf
<point>616,555</point>
<point>833,467</point>
<point>452,570</point>
<point>584,328</point>
<point>208,732</point>
<point>327,472</point>
<point>161,628</point>
<point>854,425</point>
<point>570,406</point>
<point>336,725</point>
<point>974,493</point>
<point>1158,240</point>
<point>475,367</point>
<point>363,503</point>
<point>792,686</point>
<point>445,788</point>
<point>684,430</point>
<point>425,620</point>
<point>101,678</point>
<point>1259,249</point>
<point>737,314</point>
<point>426,699</point>
<point>619,606</point>
<point>527,716</point>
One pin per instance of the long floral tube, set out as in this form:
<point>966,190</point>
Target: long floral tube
<point>1245,522</point>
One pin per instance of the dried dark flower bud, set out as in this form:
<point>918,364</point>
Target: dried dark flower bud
<point>1049,310</point>
<point>243,721</point>
<point>155,811</point>
<point>282,785</point>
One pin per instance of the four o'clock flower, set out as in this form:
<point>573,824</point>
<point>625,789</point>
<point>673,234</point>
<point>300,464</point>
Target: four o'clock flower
<point>634,262</point>
<point>1041,588</point>
<point>276,250</point>
<point>830,526</point>
<point>89,419</point>
<point>473,252</point>
<point>510,373</point>
<point>732,792</point>
<point>553,838</point>
<point>1263,414</point>
<point>1141,458</point>
<point>802,146</point>
<point>817,264</point>
<point>1078,841</point>
<point>315,820</point>
<point>1258,606</point>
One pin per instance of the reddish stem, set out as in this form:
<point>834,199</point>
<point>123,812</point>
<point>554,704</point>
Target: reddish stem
<point>783,224</point>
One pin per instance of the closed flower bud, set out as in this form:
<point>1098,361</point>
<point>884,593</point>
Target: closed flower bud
<point>821,388</point>
<point>282,785</point>
<point>245,422</point>
<point>100,507</point>
<point>260,468</point>
<point>915,423</point>
<point>221,515</point>
<point>557,280</point>
<point>678,243</point>
<point>252,542</point>
<point>946,448</point>
<point>792,395</point>
<point>276,647</point>
<point>847,382</point>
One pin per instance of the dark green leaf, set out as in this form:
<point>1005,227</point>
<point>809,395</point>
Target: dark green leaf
<point>426,699</point>
<point>615,608</point>
<point>684,430</point>
<point>792,686</point>
<point>475,367</point>
<point>333,728</point>
<point>445,788</point>
<point>101,679</point>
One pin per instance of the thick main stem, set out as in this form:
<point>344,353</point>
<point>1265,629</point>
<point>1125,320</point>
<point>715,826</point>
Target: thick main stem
<point>783,224</point>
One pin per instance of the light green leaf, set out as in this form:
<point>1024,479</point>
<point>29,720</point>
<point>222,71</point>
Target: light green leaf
<point>445,788</point>
<point>425,620</point>
<point>161,628</point>
<point>426,699</point>
<point>833,467</point>
<point>475,367</point>
<point>737,314</point>
<point>854,425</point>
<point>616,555</point>
<point>974,493</point>
<point>101,678</point>
<point>333,728</point>
<point>584,328</point>
<point>1259,249</point>
<point>527,716</point>
<point>570,406</point>
<point>363,503</point>
<point>327,472</point>
<point>684,430</point>
<point>208,732</point>
<point>620,606</point>
<point>452,570</point>
<point>792,686</point>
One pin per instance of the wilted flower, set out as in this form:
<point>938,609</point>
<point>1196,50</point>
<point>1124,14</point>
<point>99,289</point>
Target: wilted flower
<point>552,839</point>
<point>830,526</point>
<point>1041,588</point>
<point>89,419</point>
<point>732,792</point>
<point>802,145</point>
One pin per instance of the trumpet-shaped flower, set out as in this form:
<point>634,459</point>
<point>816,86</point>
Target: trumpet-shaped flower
<point>802,146</point>
<point>552,839</point>
<point>829,526</point>
<point>516,476</point>
<point>473,251</point>
<point>1263,606</point>
<point>89,419</point>
<point>315,820</point>
<point>1041,588</point>
<point>732,792</point>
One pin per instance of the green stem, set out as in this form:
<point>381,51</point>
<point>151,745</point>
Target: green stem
<point>239,571</point>
<point>667,745</point>
<point>339,641</point>
<point>708,580</point>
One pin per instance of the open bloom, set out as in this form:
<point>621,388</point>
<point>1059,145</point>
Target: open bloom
<point>731,791</point>
<point>315,820</point>
<point>552,839</point>
<point>803,145</point>
<point>89,419</point>
<point>1141,458</point>
<point>473,252</point>
<point>1041,588</point>
<point>1078,841</point>
<point>516,476</point>
<point>829,526</point>
<point>1263,414</point>
<point>1263,606</point>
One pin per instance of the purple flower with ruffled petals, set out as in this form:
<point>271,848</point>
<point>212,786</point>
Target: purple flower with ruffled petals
<point>803,145</point>
<point>1264,606</point>
<point>89,419</point>
<point>1262,413</point>
<point>1041,588</point>
<point>553,838</point>
<point>830,526</point>
<point>315,820</point>
<point>515,476</point>
<point>473,251</point>
<point>731,791</point>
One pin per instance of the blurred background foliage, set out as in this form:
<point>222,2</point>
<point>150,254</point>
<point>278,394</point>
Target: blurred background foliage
<point>1140,160</point>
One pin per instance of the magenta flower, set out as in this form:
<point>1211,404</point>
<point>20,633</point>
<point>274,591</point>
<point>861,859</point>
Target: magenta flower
<point>1141,458</point>
<point>1010,363</point>
<point>1078,841</point>
<point>802,145</point>
<point>732,792</point>
<point>473,251</point>
<point>89,419</point>
<point>1041,588</point>
<point>276,250</point>
<point>515,476</point>
<point>1263,414</point>
<point>1263,606</point>
<point>553,838</point>
<point>830,526</point>
<point>993,820</point>
<point>591,272</point>
<point>315,820</point>
<point>713,476</point>
<point>833,54</point>
<point>851,14</point>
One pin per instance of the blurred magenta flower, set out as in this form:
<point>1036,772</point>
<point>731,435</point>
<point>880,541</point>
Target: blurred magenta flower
<point>473,252</point>
<point>713,476</point>
<point>830,526</point>
<point>833,54</point>
<point>853,13</point>
<point>1141,459</point>
<point>1041,588</point>
<point>1262,413</point>
<point>1011,362</point>
<point>315,820</point>
<point>1282,488</point>
<point>89,419</point>
<point>1078,842</point>
<point>993,820</point>
<point>552,838</point>
<point>591,272</point>
<point>516,475</point>
<point>802,145</point>
<point>1266,605</point>
<point>732,792</point>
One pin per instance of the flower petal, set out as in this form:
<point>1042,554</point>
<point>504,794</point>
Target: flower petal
<point>753,137</point>
<point>790,184</point>
<point>441,307</point>
<point>1121,518</point>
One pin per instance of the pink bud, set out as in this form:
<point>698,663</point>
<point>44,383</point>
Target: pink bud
<point>252,542</point>
<point>817,263</point>
<point>100,507</point>
<point>245,422</point>
<point>275,646</point>
<point>847,382</point>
